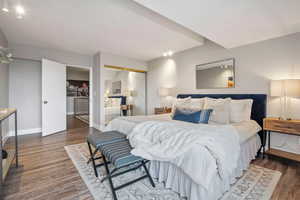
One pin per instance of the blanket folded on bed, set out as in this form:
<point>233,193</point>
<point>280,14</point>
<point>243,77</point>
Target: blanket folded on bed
<point>200,150</point>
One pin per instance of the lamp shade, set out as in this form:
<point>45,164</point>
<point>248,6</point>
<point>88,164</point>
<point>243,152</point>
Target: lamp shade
<point>164,92</point>
<point>292,87</point>
<point>276,88</point>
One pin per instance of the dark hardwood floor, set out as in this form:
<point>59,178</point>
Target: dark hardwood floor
<point>73,123</point>
<point>46,172</point>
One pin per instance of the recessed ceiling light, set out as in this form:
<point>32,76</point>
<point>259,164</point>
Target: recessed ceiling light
<point>5,6</point>
<point>168,53</point>
<point>5,9</point>
<point>20,10</point>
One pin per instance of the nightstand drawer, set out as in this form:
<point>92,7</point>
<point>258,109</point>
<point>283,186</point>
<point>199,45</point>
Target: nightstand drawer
<point>282,126</point>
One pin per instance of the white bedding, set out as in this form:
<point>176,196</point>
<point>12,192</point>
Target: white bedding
<point>198,149</point>
<point>199,157</point>
<point>246,129</point>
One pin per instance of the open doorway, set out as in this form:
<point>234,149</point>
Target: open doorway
<point>78,97</point>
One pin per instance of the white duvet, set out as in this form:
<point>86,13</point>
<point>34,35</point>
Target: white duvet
<point>199,150</point>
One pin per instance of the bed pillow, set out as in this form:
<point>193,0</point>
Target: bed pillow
<point>180,103</point>
<point>221,110</point>
<point>201,116</point>
<point>240,110</point>
<point>196,104</point>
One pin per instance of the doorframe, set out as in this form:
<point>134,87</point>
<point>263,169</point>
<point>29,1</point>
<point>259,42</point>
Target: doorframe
<point>90,92</point>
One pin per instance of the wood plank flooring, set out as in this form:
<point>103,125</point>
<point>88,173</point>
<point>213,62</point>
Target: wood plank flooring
<point>47,173</point>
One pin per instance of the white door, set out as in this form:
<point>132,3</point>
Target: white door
<point>53,97</point>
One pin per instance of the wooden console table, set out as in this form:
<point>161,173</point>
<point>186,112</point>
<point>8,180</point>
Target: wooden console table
<point>4,166</point>
<point>289,127</point>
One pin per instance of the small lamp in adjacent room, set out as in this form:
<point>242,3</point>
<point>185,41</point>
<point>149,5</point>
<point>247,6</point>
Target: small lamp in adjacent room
<point>284,89</point>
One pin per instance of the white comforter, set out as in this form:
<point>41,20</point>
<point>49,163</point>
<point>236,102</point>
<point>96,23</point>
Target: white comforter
<point>199,150</point>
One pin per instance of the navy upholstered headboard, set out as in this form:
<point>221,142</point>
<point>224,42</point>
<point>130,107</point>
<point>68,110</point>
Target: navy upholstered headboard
<point>259,107</point>
<point>123,99</point>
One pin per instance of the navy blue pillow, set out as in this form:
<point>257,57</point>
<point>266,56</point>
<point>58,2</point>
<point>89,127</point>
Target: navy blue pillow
<point>201,116</point>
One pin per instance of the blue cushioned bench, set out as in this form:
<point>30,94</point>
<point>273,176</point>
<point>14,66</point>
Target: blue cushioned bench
<point>115,149</point>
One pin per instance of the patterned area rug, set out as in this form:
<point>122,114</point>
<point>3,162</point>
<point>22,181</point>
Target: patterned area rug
<point>257,183</point>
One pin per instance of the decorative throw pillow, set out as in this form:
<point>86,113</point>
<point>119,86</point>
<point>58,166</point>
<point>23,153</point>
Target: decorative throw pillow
<point>221,110</point>
<point>240,110</point>
<point>201,116</point>
<point>188,104</point>
<point>180,103</point>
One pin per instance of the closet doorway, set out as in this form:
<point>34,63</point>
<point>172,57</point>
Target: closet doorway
<point>124,92</point>
<point>78,86</point>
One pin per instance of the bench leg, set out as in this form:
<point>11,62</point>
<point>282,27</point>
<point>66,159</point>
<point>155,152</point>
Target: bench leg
<point>109,178</point>
<point>93,160</point>
<point>148,174</point>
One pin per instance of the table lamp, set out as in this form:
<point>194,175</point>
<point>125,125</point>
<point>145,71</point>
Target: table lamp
<point>164,93</point>
<point>284,89</point>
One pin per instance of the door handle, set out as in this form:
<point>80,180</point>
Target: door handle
<point>45,102</point>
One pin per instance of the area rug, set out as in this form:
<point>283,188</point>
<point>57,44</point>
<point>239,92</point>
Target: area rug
<point>257,183</point>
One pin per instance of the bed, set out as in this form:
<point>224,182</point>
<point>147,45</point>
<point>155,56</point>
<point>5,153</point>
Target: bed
<point>180,174</point>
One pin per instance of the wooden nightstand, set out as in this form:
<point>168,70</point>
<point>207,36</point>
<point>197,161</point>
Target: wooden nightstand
<point>159,111</point>
<point>290,127</point>
<point>125,108</point>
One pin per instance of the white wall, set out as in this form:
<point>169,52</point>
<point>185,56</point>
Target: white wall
<point>4,71</point>
<point>96,90</point>
<point>25,93</point>
<point>77,75</point>
<point>37,53</point>
<point>25,81</point>
<point>256,65</point>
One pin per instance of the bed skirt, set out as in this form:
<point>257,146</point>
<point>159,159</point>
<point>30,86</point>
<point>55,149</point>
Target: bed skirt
<point>176,180</point>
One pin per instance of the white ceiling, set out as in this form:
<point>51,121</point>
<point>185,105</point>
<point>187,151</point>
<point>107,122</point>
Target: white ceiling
<point>232,23</point>
<point>121,27</point>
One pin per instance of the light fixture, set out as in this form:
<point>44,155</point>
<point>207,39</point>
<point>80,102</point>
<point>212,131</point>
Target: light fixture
<point>20,11</point>
<point>164,92</point>
<point>284,89</point>
<point>168,53</point>
<point>5,6</point>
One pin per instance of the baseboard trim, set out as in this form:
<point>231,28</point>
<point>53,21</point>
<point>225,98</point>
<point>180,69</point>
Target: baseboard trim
<point>72,113</point>
<point>26,131</point>
<point>99,127</point>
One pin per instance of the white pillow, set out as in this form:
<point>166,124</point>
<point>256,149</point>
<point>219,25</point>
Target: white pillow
<point>240,110</point>
<point>221,110</point>
<point>180,103</point>
<point>196,104</point>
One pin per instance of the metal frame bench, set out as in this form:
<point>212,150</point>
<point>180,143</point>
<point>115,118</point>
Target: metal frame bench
<point>115,149</point>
